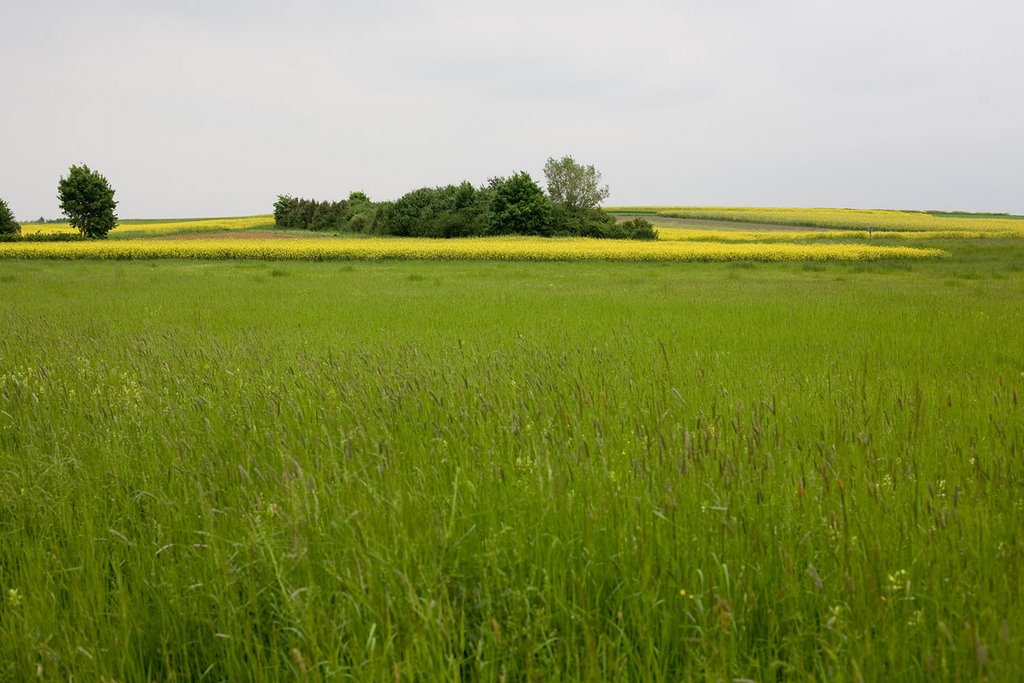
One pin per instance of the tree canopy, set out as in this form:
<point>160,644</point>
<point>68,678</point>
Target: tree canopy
<point>574,186</point>
<point>520,207</point>
<point>8,226</point>
<point>87,199</point>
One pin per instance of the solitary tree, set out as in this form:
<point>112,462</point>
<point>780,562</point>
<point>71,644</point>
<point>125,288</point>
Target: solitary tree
<point>87,199</point>
<point>574,186</point>
<point>8,226</point>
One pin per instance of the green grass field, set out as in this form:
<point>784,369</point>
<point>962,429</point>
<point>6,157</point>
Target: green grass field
<point>513,471</point>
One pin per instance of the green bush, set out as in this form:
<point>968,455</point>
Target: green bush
<point>359,212</point>
<point>8,226</point>
<point>283,210</point>
<point>591,222</point>
<point>520,207</point>
<point>309,214</point>
<point>636,229</point>
<point>448,211</point>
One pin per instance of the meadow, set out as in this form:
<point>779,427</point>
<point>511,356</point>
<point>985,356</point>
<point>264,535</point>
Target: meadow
<point>478,470</point>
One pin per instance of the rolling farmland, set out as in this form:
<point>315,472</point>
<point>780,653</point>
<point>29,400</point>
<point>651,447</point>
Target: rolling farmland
<point>462,461</point>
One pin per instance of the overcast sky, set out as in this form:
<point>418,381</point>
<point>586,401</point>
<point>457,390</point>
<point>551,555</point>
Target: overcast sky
<point>207,108</point>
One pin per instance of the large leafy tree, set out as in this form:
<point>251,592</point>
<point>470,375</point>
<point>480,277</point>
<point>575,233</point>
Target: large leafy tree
<point>574,186</point>
<point>87,199</point>
<point>8,226</point>
<point>518,206</point>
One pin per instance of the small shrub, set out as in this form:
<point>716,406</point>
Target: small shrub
<point>639,229</point>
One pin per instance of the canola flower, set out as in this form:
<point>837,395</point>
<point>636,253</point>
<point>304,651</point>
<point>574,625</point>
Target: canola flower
<point>882,220</point>
<point>675,234</point>
<point>481,248</point>
<point>699,235</point>
<point>163,227</point>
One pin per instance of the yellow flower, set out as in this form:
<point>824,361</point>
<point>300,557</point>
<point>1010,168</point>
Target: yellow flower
<point>513,248</point>
<point>879,222</point>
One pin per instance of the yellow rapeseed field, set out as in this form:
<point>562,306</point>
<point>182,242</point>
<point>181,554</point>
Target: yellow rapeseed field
<point>163,227</point>
<point>849,219</point>
<point>701,235</point>
<point>482,248</point>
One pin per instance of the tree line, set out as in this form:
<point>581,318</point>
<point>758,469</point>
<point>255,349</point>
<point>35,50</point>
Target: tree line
<point>514,205</point>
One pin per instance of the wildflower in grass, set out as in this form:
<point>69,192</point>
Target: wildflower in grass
<point>685,595</point>
<point>898,583</point>
<point>836,617</point>
<point>897,578</point>
<point>13,597</point>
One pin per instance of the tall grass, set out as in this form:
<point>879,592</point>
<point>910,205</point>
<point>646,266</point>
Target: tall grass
<point>493,471</point>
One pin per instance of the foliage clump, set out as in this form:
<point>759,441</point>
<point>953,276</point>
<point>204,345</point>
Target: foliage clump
<point>448,211</point>
<point>636,229</point>
<point>576,187</point>
<point>519,207</point>
<point>354,214</point>
<point>8,226</point>
<point>87,199</point>
<point>515,205</point>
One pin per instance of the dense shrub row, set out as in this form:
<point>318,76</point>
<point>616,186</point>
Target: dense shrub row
<point>504,206</point>
<point>352,214</point>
